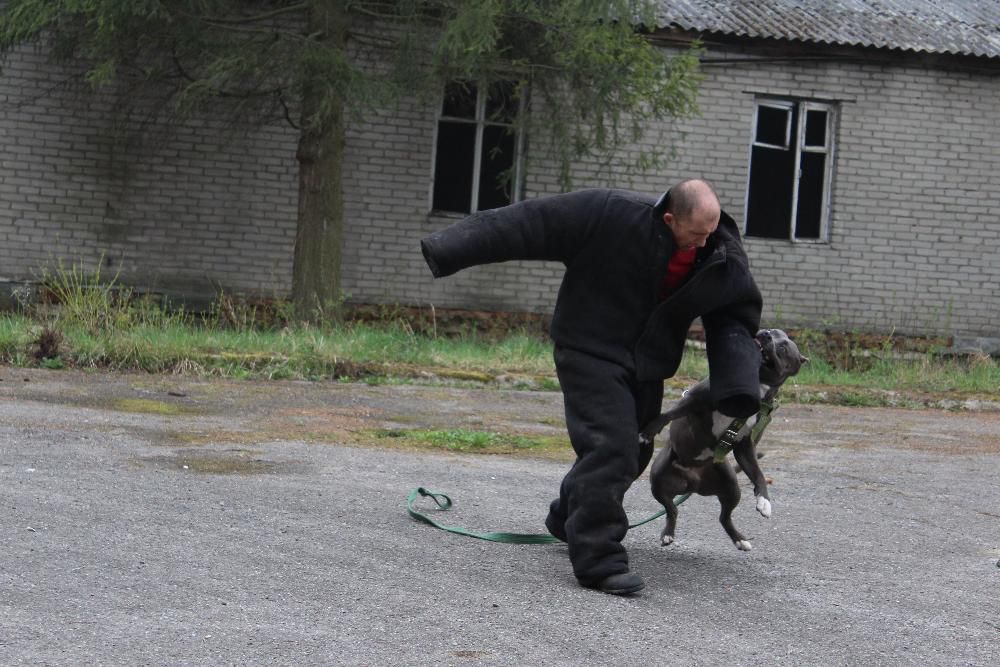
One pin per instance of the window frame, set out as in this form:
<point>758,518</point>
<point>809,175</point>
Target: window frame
<point>481,123</point>
<point>773,104</point>
<point>802,106</point>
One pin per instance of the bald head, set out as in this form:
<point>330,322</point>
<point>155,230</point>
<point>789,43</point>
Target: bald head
<point>692,194</point>
<point>693,213</point>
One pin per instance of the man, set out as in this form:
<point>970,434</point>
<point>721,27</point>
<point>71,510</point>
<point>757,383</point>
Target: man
<point>638,272</point>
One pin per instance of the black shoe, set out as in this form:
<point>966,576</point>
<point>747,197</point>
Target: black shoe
<point>624,583</point>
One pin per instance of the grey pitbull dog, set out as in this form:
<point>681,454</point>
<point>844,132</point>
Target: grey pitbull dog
<point>688,463</point>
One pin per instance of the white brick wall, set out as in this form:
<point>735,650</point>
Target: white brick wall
<point>200,208</point>
<point>915,219</point>
<point>915,223</point>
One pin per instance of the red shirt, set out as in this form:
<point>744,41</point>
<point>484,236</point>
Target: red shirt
<point>678,269</point>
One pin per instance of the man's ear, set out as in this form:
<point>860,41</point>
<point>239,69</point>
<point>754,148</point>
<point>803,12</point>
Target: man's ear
<point>668,219</point>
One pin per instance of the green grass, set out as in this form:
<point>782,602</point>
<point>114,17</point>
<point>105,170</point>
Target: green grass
<point>929,374</point>
<point>98,325</point>
<point>349,350</point>
<point>377,352</point>
<point>463,440</point>
<point>482,442</point>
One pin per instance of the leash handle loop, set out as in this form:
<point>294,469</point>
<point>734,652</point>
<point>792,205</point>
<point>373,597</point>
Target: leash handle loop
<point>444,503</point>
<point>442,500</point>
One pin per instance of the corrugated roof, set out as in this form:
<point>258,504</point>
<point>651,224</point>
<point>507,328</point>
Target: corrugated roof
<point>963,27</point>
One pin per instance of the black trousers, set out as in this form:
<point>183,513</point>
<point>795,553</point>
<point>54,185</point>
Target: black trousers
<point>605,409</point>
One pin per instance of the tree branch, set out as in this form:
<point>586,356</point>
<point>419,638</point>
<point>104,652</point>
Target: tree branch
<point>389,15</point>
<point>374,40</point>
<point>254,31</point>
<point>259,17</point>
<point>245,94</point>
<point>288,112</point>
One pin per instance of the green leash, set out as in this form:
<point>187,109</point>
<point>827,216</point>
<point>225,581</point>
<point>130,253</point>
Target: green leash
<point>725,445</point>
<point>444,503</point>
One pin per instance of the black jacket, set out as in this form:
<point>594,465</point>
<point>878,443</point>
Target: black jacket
<point>616,247</point>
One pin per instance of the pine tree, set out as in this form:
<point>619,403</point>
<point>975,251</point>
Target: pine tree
<point>600,79</point>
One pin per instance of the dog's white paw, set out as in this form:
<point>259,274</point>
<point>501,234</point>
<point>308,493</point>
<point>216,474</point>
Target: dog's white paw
<point>764,507</point>
<point>743,545</point>
<point>666,540</point>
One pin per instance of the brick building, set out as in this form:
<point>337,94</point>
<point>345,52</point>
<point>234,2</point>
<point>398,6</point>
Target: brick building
<point>855,140</point>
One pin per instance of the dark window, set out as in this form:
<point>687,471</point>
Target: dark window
<point>476,153</point>
<point>502,103</point>
<point>773,126</point>
<point>496,161</point>
<point>788,188</point>
<point>452,175</point>
<point>459,100</point>
<point>816,129</point>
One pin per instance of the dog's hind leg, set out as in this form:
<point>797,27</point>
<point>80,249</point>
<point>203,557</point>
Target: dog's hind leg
<point>667,536</point>
<point>729,498</point>
<point>666,483</point>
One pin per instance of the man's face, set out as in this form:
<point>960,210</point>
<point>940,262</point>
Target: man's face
<point>693,231</point>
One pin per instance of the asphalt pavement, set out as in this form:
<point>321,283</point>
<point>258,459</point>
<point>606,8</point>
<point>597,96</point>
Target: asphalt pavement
<point>178,521</point>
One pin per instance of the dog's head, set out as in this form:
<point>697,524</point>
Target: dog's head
<point>780,357</point>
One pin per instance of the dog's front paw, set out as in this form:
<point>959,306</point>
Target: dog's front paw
<point>764,507</point>
<point>743,545</point>
<point>666,540</point>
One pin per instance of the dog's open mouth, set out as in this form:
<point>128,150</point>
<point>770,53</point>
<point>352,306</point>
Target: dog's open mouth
<point>779,356</point>
<point>766,346</point>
